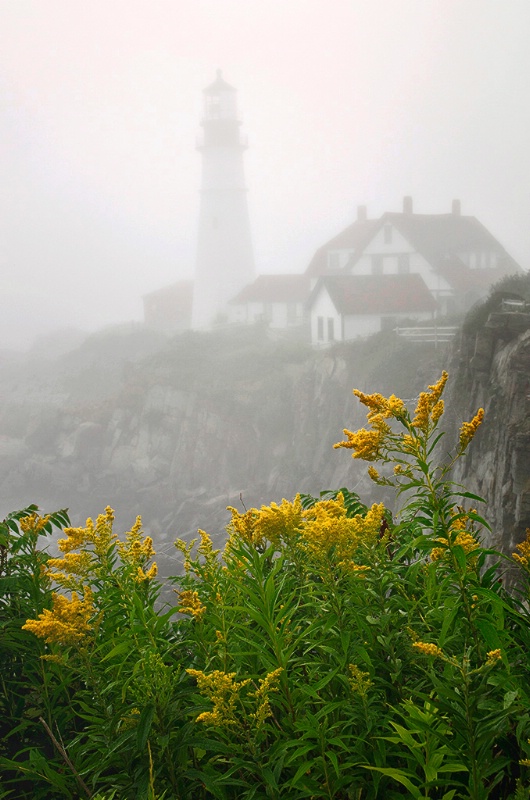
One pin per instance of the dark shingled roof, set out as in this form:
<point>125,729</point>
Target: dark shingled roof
<point>440,238</point>
<point>274,289</point>
<point>376,294</point>
<point>352,238</point>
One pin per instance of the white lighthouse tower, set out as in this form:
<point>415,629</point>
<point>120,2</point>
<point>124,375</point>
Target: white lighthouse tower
<point>225,260</point>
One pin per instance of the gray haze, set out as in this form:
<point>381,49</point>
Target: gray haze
<point>345,102</point>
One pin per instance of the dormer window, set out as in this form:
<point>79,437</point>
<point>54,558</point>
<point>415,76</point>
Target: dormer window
<point>387,234</point>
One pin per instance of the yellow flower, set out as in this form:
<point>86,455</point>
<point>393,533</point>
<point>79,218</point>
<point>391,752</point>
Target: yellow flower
<point>373,473</point>
<point>366,444</point>
<point>437,411</point>
<point>409,443</point>
<point>274,523</point>
<point>387,407</point>
<point>524,548</point>
<point>71,564</point>
<point>493,656</point>
<point>468,429</point>
<point>205,548</point>
<point>33,523</point>
<point>266,686</point>
<point>459,536</point>
<point>360,681</point>
<point>68,621</point>
<point>430,408</point>
<point>329,532</point>
<point>223,692</point>
<point>75,538</point>
<point>190,603</point>
<point>146,576</point>
<point>428,649</point>
<point>422,412</point>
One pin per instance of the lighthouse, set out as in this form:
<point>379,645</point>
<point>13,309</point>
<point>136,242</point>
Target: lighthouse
<point>224,259</point>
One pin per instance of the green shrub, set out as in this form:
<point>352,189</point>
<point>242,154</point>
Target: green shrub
<point>332,650</point>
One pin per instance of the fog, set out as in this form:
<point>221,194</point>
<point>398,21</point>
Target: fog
<point>343,103</point>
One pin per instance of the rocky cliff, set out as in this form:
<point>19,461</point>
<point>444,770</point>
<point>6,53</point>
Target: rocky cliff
<point>491,368</point>
<point>178,430</point>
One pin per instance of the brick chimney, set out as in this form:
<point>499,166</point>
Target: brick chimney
<point>407,205</point>
<point>361,214</point>
<point>455,208</point>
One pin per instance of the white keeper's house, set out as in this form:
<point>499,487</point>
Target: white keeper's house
<point>401,267</point>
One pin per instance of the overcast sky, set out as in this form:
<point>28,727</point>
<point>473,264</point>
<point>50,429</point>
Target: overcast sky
<point>344,102</point>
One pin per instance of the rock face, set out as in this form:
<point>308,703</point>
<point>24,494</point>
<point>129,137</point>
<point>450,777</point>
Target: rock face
<point>188,427</point>
<point>492,370</point>
<point>200,423</point>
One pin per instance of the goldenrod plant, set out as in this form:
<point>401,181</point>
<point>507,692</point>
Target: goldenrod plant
<point>333,649</point>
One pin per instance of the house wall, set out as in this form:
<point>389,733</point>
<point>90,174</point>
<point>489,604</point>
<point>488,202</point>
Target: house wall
<point>361,325</point>
<point>278,315</point>
<point>417,264</point>
<point>324,309</point>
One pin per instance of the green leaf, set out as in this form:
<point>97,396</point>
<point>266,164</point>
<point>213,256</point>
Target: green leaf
<point>401,777</point>
<point>144,725</point>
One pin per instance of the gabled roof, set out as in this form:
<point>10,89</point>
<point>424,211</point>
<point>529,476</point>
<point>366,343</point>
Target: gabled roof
<point>352,238</point>
<point>376,294</point>
<point>442,236</point>
<point>274,289</point>
<point>438,237</point>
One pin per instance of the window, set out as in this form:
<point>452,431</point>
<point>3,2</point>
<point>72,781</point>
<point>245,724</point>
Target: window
<point>267,311</point>
<point>320,329</point>
<point>377,265</point>
<point>387,233</point>
<point>403,266</point>
<point>331,329</point>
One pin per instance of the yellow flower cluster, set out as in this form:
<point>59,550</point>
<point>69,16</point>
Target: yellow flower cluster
<point>524,548</point>
<point>274,523</point>
<point>67,623</point>
<point>223,692</point>
<point>95,541</point>
<point>328,528</point>
<point>136,549</point>
<point>318,531</point>
<point>463,539</point>
<point>493,656</point>
<point>468,429</point>
<point>267,685</point>
<point>70,570</point>
<point>142,576</point>
<point>205,549</point>
<point>189,602</point>
<point>360,681</point>
<point>385,406</point>
<point>33,523</point>
<point>365,444</point>
<point>98,535</point>
<point>428,649</point>
<point>430,408</point>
